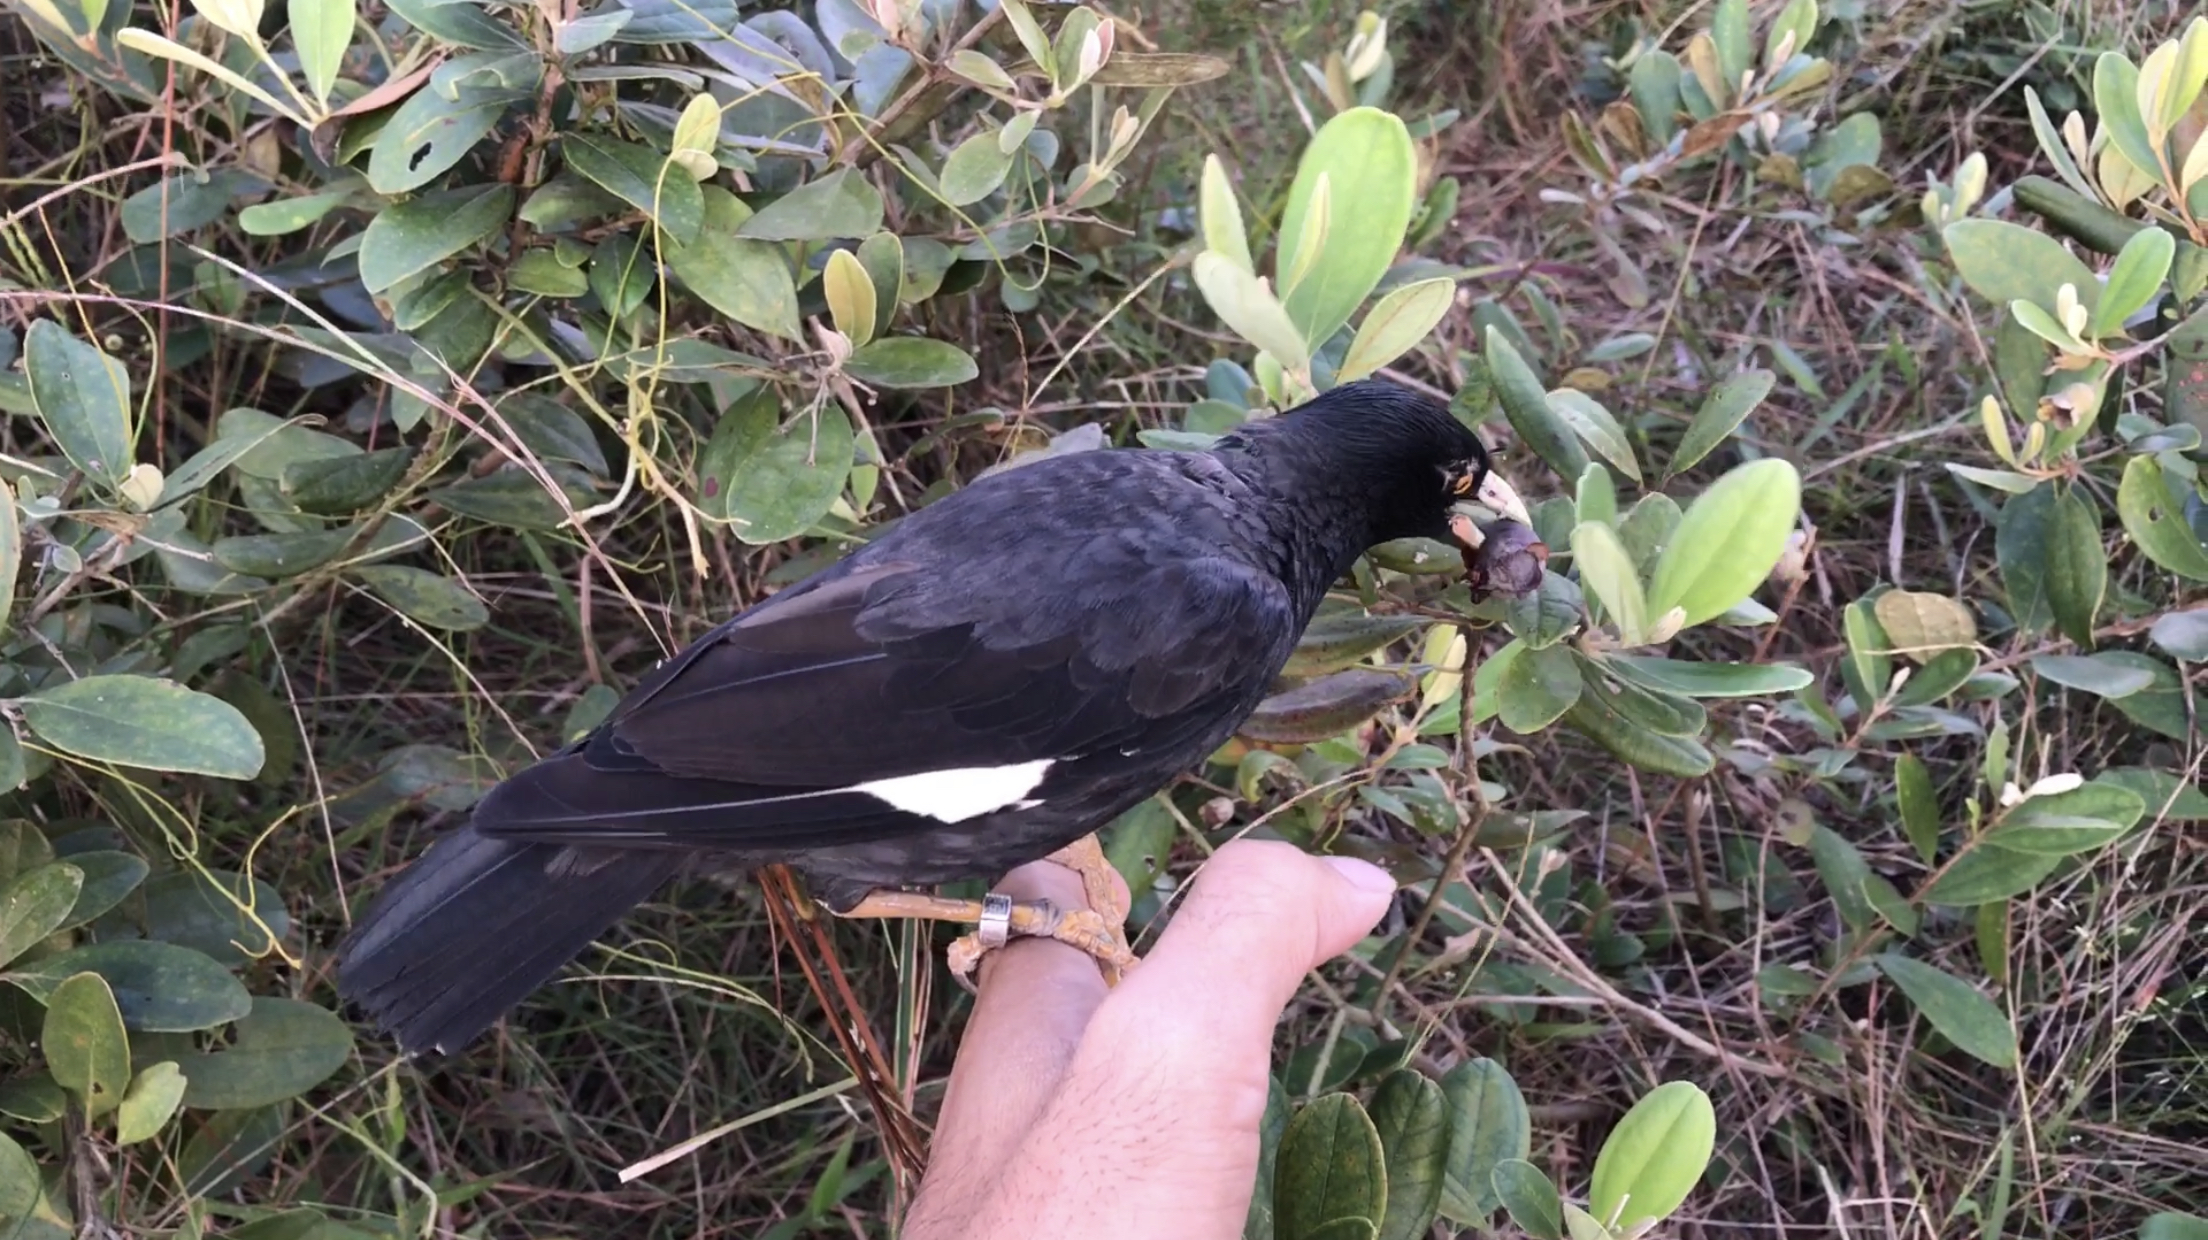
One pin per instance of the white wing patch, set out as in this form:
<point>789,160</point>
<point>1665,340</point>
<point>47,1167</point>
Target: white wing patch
<point>960,793</point>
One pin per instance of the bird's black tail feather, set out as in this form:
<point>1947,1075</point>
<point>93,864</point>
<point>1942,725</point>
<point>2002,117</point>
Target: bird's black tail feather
<point>476,924</point>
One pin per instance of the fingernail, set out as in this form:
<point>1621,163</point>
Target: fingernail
<point>1363,875</point>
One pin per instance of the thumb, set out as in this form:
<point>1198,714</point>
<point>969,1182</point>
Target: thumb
<point>1261,916</point>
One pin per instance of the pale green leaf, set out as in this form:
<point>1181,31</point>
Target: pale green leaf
<point>139,721</point>
<point>1729,540</point>
<point>1366,157</point>
<point>149,1102</point>
<point>1395,325</point>
<point>1606,569</point>
<point>321,31</point>
<point>1245,303</point>
<point>83,397</point>
<point>1655,1155</point>
<point>1224,234</point>
<point>1954,1007</point>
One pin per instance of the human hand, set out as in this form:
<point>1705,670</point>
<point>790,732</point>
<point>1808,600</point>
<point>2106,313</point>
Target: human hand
<point>1074,1111</point>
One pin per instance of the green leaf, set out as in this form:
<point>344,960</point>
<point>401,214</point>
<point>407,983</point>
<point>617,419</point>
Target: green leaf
<point>2022,545</point>
<point>1394,326</point>
<point>282,1049</point>
<point>344,484</point>
<point>1987,873</point>
<point>149,1102</point>
<point>552,430</point>
<point>841,204</point>
<point>1654,82</point>
<point>1729,32</point>
<point>277,556</point>
<point>1336,640</point>
<point>1538,687</point>
<point>1595,499</point>
<point>1221,216</point>
<point>321,31</point>
<point>418,234</point>
<point>1527,407</point>
<point>159,987</point>
<point>1729,540</point>
<point>1847,877</point>
<point>140,721</point>
<point>1920,806</point>
<point>430,133</point>
<point>1606,569</point>
<point>540,273</point>
<point>1326,707</point>
<point>516,499</point>
<point>2155,519</point>
<point>2099,674</point>
<point>974,169</point>
<point>1654,1156</point>
<point>183,202</point>
<point>83,397</point>
<point>110,875</point>
<point>1531,1198</point>
<point>2116,98</point>
<point>85,1045</point>
<point>11,554</point>
<point>749,281</point>
<point>1722,412</point>
<point>2066,823</point>
<point>283,216</point>
<point>850,294</point>
<point>1246,304</point>
<point>2170,1225</point>
<point>911,362</point>
<point>1367,160</point>
<point>1597,428</point>
<point>643,178</point>
<point>1410,1113</point>
<point>1330,1167</point>
<point>1488,1126</point>
<point>2134,281</point>
<point>437,602</point>
<point>1594,717</point>
<point>774,480</point>
<point>2077,566</point>
<point>458,21</point>
<point>2183,634</point>
<point>2004,262</point>
<point>225,916</point>
<point>1713,680</point>
<point>34,904</point>
<point>1954,1007</point>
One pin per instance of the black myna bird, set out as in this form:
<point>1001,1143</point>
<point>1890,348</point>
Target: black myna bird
<point>992,679</point>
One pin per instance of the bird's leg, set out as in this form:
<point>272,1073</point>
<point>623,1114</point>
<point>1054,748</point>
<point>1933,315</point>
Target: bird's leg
<point>1101,885</point>
<point>1082,928</point>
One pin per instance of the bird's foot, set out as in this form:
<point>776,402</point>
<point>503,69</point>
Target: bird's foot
<point>1081,928</point>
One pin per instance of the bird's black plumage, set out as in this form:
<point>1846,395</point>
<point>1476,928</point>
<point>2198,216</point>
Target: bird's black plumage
<point>1066,636</point>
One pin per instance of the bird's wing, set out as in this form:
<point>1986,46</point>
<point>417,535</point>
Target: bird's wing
<point>899,696</point>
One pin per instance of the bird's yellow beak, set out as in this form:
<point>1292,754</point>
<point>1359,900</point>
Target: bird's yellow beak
<point>1495,497</point>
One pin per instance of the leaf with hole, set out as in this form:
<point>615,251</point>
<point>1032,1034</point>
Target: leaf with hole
<point>85,1045</point>
<point>430,133</point>
<point>1330,1167</point>
<point>1729,540</point>
<point>1954,1007</point>
<point>149,1102</point>
<point>774,479</point>
<point>1366,158</point>
<point>34,904</point>
<point>83,397</point>
<point>1655,1155</point>
<point>282,1049</point>
<point>2154,516</point>
<point>1488,1126</point>
<point>144,722</point>
<point>1722,412</point>
<point>911,362</point>
<point>416,235</point>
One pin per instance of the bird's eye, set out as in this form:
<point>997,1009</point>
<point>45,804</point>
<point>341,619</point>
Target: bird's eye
<point>1463,479</point>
